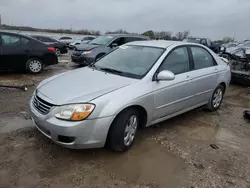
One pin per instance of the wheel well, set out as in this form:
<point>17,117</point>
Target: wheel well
<point>143,114</point>
<point>142,119</point>
<point>224,86</point>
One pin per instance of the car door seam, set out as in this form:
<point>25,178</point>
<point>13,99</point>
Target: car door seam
<point>174,102</point>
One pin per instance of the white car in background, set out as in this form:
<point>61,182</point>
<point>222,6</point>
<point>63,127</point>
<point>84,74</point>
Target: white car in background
<point>66,40</point>
<point>85,39</point>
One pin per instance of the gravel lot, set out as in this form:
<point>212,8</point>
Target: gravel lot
<point>176,153</point>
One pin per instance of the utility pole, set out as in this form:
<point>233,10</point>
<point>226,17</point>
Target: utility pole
<point>0,20</point>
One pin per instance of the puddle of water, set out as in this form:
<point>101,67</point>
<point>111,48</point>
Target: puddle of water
<point>148,162</point>
<point>8,124</point>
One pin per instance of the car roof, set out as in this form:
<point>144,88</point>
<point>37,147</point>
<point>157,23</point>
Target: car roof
<point>127,35</point>
<point>157,43</point>
<point>162,43</point>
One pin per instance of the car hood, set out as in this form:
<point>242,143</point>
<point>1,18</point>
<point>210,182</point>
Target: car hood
<point>81,85</point>
<point>85,47</point>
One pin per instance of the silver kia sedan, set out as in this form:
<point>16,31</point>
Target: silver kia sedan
<point>136,85</point>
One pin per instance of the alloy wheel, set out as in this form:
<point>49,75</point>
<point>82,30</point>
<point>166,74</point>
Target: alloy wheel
<point>130,130</point>
<point>217,98</point>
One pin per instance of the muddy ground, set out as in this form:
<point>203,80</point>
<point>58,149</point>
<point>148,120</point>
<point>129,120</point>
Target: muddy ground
<point>174,154</point>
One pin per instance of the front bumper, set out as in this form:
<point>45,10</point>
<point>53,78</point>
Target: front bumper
<point>91,133</point>
<point>82,60</point>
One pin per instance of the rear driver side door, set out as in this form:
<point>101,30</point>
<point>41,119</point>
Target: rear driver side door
<point>204,74</point>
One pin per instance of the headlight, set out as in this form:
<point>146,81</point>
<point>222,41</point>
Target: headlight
<point>86,52</point>
<point>75,112</point>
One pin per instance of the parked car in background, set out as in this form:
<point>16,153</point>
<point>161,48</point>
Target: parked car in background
<point>66,40</point>
<point>86,54</point>
<point>206,42</point>
<point>19,52</point>
<point>136,85</point>
<point>84,40</point>
<point>60,47</point>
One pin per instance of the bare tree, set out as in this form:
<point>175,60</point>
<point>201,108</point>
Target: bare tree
<point>179,35</point>
<point>185,34</point>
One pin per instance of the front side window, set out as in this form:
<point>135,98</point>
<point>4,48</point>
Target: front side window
<point>202,58</point>
<point>102,40</point>
<point>10,40</point>
<point>177,61</point>
<point>120,41</point>
<point>130,61</point>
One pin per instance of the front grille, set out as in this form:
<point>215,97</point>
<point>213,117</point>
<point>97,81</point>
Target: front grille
<point>77,53</point>
<point>41,105</point>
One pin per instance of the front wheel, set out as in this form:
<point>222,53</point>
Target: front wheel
<point>123,130</point>
<point>216,99</point>
<point>34,65</point>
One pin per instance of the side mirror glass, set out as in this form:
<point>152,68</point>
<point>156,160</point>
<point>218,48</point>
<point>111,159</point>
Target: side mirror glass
<point>114,45</point>
<point>165,75</point>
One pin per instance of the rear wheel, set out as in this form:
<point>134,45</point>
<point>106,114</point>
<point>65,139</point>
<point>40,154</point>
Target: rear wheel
<point>34,65</point>
<point>216,99</point>
<point>123,130</point>
<point>58,52</point>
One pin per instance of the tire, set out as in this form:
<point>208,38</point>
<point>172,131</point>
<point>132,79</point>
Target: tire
<point>34,65</point>
<point>216,99</point>
<point>58,52</point>
<point>123,130</point>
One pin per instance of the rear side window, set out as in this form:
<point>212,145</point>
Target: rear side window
<point>25,41</point>
<point>202,58</point>
<point>10,40</point>
<point>65,38</point>
<point>177,61</point>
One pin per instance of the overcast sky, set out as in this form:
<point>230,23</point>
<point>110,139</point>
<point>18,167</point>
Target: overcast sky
<point>203,18</point>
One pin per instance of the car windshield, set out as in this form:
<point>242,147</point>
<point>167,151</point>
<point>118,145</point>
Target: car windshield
<point>130,61</point>
<point>102,40</point>
<point>193,40</point>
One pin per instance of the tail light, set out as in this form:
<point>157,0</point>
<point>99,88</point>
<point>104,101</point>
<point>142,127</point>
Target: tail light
<point>52,49</point>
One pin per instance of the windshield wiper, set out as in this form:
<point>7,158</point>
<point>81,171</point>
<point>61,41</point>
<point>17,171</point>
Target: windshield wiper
<point>112,71</point>
<point>92,65</point>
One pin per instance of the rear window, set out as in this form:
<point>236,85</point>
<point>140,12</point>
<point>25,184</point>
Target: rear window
<point>65,38</point>
<point>192,40</point>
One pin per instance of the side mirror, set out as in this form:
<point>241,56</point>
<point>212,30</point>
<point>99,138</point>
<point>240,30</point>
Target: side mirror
<point>165,75</point>
<point>113,45</point>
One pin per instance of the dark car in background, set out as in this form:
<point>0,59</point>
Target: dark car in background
<point>23,53</point>
<point>206,42</point>
<point>60,47</point>
<point>86,54</point>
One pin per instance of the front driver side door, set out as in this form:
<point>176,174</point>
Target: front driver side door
<point>175,95</point>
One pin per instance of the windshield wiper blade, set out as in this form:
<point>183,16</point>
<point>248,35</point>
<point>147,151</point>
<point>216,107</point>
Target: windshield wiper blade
<point>112,71</point>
